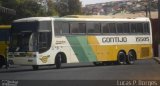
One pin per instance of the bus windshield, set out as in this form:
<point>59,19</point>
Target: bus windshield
<point>23,36</point>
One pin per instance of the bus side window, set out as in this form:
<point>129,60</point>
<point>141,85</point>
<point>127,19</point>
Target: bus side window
<point>105,28</point>
<point>44,41</point>
<point>126,28</point>
<point>82,28</point>
<point>139,28</point>
<point>112,27</point>
<point>57,28</point>
<point>120,28</point>
<point>65,28</point>
<point>133,27</point>
<point>93,28</point>
<point>146,28</point>
<point>61,28</point>
<point>74,27</point>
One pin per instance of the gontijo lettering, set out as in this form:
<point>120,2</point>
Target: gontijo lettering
<point>114,39</point>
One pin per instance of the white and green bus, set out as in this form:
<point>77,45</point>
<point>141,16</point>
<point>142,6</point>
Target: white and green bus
<point>38,41</point>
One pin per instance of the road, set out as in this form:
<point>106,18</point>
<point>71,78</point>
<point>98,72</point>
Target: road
<point>141,70</point>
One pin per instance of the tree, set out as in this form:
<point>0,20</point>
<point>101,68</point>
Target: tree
<point>24,8</point>
<point>69,7</point>
<point>51,8</point>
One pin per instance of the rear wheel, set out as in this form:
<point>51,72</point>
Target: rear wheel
<point>131,57</point>
<point>58,61</point>
<point>121,58</point>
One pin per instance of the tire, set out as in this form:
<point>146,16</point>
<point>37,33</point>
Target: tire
<point>121,58</point>
<point>58,61</point>
<point>2,61</point>
<point>131,57</point>
<point>35,67</point>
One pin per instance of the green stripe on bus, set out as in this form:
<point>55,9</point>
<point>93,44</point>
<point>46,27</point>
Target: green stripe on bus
<point>81,48</point>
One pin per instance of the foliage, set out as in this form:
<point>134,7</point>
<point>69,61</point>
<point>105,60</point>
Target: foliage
<point>69,7</point>
<point>35,8</point>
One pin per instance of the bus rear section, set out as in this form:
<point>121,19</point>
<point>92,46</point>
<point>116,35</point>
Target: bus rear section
<point>4,38</point>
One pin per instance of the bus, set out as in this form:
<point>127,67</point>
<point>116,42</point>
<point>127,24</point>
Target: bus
<point>38,41</point>
<point>4,41</point>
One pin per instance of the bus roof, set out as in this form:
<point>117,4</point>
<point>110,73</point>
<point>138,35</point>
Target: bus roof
<point>81,18</point>
<point>99,18</point>
<point>30,19</point>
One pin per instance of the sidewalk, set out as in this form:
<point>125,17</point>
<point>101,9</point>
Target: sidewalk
<point>157,59</point>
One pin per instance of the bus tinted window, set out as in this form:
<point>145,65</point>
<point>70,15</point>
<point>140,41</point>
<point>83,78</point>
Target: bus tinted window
<point>146,28</point>
<point>133,28</point>
<point>45,26</point>
<point>105,28</point>
<point>112,28</point>
<point>93,27</point>
<point>76,27</point>
<point>139,28</point>
<point>61,28</point>
<point>120,28</point>
<point>126,28</point>
<point>65,28</point>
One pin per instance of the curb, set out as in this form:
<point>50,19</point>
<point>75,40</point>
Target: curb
<point>157,59</point>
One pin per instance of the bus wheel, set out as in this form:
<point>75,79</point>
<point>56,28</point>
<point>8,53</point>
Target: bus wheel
<point>2,61</point>
<point>35,67</point>
<point>131,57</point>
<point>121,59</point>
<point>58,61</point>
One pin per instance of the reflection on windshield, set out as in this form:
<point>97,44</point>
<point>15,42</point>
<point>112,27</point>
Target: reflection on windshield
<point>23,36</point>
<point>21,41</point>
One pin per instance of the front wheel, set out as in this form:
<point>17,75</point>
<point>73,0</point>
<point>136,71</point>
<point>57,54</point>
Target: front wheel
<point>58,61</point>
<point>131,57</point>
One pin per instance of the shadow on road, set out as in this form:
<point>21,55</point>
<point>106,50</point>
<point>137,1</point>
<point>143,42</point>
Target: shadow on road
<point>41,68</point>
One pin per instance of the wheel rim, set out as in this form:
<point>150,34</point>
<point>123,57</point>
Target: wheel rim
<point>131,58</point>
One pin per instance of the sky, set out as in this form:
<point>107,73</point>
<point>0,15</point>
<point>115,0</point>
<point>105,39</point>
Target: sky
<point>85,2</point>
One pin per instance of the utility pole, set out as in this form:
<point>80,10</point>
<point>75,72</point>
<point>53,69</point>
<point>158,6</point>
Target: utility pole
<point>149,8</point>
<point>159,9</point>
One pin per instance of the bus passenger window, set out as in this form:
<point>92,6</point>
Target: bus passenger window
<point>139,28</point>
<point>105,28</point>
<point>146,28</point>
<point>112,28</point>
<point>82,28</point>
<point>133,28</point>
<point>61,28</point>
<point>120,27</point>
<point>93,28</point>
<point>57,28</point>
<point>126,28</point>
<point>65,28</point>
<point>74,27</point>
